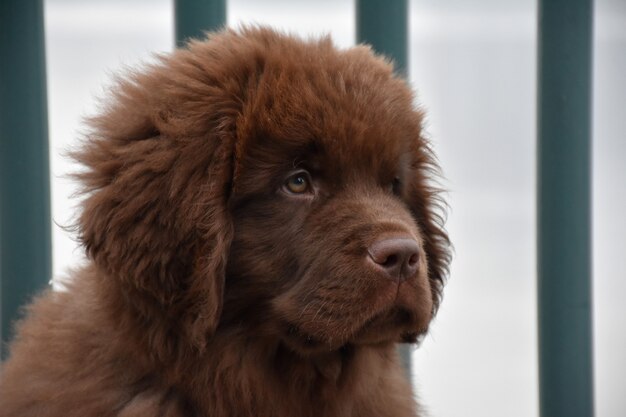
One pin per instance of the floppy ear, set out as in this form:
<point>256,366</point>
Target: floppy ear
<point>156,225</point>
<point>160,162</point>
<point>429,209</point>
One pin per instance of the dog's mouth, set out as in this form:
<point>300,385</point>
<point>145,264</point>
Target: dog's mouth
<point>296,338</point>
<point>384,313</point>
<point>396,325</point>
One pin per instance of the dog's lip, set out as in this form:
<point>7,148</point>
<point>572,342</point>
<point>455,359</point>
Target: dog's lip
<point>295,332</point>
<point>299,340</point>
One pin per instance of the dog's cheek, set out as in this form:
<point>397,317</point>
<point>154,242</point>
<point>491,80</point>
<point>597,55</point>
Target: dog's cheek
<point>422,302</point>
<point>332,296</point>
<point>264,253</point>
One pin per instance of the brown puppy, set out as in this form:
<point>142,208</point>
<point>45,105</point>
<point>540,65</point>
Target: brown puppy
<point>261,230</point>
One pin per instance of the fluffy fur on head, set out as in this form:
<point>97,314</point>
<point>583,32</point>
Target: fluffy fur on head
<point>262,230</point>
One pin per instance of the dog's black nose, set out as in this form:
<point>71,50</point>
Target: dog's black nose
<point>397,257</point>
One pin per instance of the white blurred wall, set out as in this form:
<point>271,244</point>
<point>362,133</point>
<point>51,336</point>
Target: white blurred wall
<point>473,66</point>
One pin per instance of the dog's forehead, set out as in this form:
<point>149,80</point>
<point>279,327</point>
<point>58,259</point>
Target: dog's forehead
<point>348,111</point>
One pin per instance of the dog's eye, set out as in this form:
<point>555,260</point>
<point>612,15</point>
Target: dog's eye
<point>298,183</point>
<point>396,186</point>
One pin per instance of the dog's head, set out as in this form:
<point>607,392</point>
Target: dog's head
<point>262,180</point>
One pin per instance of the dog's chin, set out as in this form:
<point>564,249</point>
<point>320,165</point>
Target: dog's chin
<point>396,325</point>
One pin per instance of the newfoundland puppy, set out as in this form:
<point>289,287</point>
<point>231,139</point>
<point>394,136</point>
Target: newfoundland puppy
<point>262,230</point>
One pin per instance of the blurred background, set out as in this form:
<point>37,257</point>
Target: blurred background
<point>473,65</point>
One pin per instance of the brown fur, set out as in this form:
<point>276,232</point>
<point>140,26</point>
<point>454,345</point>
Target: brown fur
<point>213,291</point>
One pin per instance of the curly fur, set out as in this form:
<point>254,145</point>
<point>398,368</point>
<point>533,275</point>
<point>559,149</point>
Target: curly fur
<point>210,291</point>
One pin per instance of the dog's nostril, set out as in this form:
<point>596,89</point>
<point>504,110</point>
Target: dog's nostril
<point>390,261</point>
<point>397,257</point>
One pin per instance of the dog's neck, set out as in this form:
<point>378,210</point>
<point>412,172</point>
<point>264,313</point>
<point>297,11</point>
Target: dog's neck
<point>330,367</point>
<point>269,355</point>
<point>323,366</point>
<point>279,377</point>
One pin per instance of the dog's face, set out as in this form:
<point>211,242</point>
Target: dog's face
<point>288,192</point>
<point>327,249</point>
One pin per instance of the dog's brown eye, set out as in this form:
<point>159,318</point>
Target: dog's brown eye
<point>298,183</point>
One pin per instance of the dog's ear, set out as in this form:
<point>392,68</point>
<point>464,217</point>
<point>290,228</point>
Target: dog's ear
<point>155,222</point>
<point>430,209</point>
<point>159,164</point>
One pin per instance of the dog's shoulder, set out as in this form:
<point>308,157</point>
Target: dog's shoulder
<point>66,359</point>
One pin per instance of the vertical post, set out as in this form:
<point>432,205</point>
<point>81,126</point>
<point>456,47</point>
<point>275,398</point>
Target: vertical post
<point>564,208</point>
<point>25,230</point>
<point>384,25</point>
<point>193,17</point>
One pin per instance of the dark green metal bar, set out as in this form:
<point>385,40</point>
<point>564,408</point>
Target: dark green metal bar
<point>193,17</point>
<point>564,208</point>
<point>384,25</point>
<point>25,245</point>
